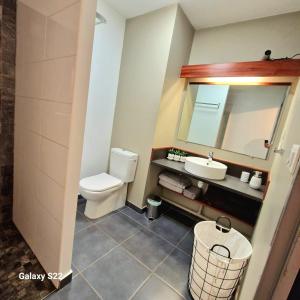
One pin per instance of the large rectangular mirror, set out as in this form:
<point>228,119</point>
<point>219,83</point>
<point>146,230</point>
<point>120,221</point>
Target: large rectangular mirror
<point>236,118</point>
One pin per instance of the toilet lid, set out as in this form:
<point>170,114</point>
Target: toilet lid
<point>100,182</point>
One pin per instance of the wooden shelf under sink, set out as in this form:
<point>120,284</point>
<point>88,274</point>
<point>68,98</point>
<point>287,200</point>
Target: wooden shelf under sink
<point>215,204</point>
<point>230,183</point>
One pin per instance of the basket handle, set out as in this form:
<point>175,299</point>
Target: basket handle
<point>221,227</point>
<point>224,247</point>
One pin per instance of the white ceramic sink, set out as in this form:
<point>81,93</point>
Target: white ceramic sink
<point>204,168</point>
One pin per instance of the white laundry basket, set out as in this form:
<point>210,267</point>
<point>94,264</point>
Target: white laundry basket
<point>220,256</point>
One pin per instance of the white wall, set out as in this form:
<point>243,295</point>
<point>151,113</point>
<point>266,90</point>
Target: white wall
<point>246,41</point>
<point>106,61</point>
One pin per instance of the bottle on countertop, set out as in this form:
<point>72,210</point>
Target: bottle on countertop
<point>256,180</point>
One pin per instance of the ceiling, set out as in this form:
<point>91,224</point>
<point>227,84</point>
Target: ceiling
<point>210,13</point>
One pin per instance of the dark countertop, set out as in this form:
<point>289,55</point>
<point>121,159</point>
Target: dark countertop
<point>230,183</point>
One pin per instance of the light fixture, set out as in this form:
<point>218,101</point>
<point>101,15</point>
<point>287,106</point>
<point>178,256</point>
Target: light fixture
<point>267,55</point>
<point>100,19</point>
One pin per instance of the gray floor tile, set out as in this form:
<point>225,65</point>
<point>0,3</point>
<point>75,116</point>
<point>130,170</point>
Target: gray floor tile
<point>175,270</point>
<point>140,218</point>
<point>169,228</point>
<point>148,248</point>
<point>90,244</point>
<point>98,220</point>
<point>117,275</point>
<point>53,296</point>
<point>119,226</point>
<point>155,289</point>
<point>122,208</point>
<point>78,289</point>
<point>74,270</point>
<point>81,205</point>
<point>81,222</point>
<point>187,243</point>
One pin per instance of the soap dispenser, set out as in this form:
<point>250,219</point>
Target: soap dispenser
<point>256,180</point>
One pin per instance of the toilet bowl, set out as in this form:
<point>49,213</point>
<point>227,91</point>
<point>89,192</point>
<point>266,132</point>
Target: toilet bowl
<point>104,194</point>
<point>107,192</point>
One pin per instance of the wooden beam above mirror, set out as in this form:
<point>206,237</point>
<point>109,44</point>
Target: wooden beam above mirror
<point>264,68</point>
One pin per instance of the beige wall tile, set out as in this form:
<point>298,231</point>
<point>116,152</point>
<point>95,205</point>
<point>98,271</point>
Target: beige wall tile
<point>20,16</point>
<point>56,121</point>
<point>19,49</point>
<point>48,7</point>
<point>32,148</point>
<point>28,114</point>
<point>61,36</point>
<point>27,202</point>
<point>34,30</point>
<point>45,71</point>
<point>26,223</point>
<point>47,240</point>
<point>29,80</point>
<point>58,79</point>
<point>54,161</point>
<point>51,196</point>
<point>27,146</point>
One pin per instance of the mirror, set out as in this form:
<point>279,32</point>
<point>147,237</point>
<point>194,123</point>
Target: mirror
<point>237,118</point>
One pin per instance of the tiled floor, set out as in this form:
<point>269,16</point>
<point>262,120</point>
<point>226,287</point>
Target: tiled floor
<point>16,257</point>
<point>124,256</point>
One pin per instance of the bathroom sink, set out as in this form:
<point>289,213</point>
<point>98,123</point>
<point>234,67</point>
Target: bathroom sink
<point>202,167</point>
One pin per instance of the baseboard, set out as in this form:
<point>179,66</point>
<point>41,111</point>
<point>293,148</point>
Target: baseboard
<point>66,280</point>
<point>136,208</point>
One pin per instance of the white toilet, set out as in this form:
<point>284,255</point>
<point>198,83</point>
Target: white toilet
<point>107,192</point>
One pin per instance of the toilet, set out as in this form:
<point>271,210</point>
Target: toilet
<point>107,192</point>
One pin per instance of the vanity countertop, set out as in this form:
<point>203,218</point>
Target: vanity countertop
<point>230,183</point>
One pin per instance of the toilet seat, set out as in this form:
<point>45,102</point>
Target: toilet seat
<point>100,183</point>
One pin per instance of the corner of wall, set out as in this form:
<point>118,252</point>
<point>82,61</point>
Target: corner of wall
<point>169,109</point>
<point>170,102</point>
<point>81,85</point>
<point>145,58</point>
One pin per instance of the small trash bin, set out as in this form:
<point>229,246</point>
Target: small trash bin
<point>220,257</point>
<point>153,208</point>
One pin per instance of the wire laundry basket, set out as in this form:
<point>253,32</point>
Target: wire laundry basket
<point>220,257</point>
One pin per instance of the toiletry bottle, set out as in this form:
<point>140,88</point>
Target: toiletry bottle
<point>256,180</point>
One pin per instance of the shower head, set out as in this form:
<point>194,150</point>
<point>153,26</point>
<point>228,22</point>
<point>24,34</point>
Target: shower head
<point>100,19</point>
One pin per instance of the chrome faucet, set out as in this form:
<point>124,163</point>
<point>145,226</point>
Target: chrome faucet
<point>210,156</point>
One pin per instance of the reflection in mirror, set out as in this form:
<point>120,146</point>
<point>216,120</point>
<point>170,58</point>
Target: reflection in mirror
<point>236,118</point>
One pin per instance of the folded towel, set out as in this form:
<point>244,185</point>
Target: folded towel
<point>175,179</point>
<point>192,192</point>
<point>170,186</point>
